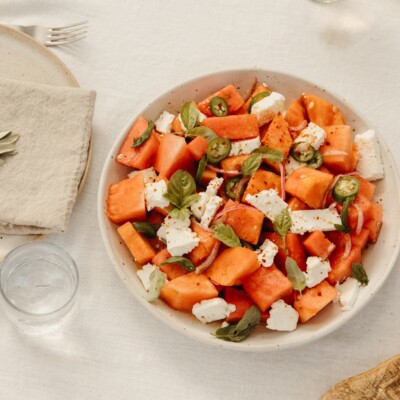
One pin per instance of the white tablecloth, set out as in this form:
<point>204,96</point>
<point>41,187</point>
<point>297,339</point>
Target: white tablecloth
<point>136,49</point>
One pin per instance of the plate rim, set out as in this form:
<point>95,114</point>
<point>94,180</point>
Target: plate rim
<point>70,77</point>
<point>263,347</point>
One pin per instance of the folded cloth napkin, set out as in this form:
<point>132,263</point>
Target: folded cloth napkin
<point>39,184</point>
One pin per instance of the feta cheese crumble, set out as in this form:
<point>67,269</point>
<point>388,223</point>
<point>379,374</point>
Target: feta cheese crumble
<point>314,220</point>
<point>154,195</point>
<point>313,136</point>
<point>212,310</point>
<point>164,122</point>
<point>244,146</point>
<point>199,207</point>
<point>369,164</point>
<point>282,317</point>
<point>149,174</point>
<point>291,165</point>
<point>348,292</point>
<point>144,274</point>
<point>268,202</point>
<point>212,206</point>
<point>266,109</point>
<point>178,235</point>
<point>266,253</point>
<point>317,271</point>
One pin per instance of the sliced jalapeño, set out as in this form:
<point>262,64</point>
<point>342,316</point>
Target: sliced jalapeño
<point>345,187</point>
<point>256,99</point>
<point>218,149</point>
<point>219,107</point>
<point>302,154</point>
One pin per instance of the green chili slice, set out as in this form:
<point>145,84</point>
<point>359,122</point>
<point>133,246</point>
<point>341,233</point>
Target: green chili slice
<point>219,107</point>
<point>317,161</point>
<point>301,154</point>
<point>218,149</point>
<point>346,186</point>
<point>256,99</point>
<point>233,189</point>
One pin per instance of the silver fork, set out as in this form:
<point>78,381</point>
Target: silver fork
<point>54,36</point>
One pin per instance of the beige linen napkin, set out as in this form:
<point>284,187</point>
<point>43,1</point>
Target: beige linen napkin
<point>39,185</point>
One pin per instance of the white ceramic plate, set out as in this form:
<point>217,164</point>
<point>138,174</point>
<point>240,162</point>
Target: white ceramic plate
<point>24,59</point>
<point>379,258</point>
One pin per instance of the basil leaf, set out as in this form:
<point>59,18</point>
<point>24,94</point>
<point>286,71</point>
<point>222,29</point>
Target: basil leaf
<point>179,213</point>
<point>344,216</point>
<point>202,131</point>
<point>149,230</point>
<point>201,168</point>
<point>180,186</point>
<point>157,280</point>
<point>189,200</point>
<point>241,330</point>
<point>358,272</point>
<point>174,200</point>
<point>282,224</point>
<point>226,235</point>
<point>182,261</point>
<point>145,135</point>
<point>295,274</point>
<point>269,153</point>
<point>251,165</point>
<point>189,115</point>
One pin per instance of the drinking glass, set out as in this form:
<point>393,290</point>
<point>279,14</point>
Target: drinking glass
<point>38,285</point>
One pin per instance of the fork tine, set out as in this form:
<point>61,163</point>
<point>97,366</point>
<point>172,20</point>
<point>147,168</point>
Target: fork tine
<point>66,35</point>
<point>62,28</point>
<point>64,41</point>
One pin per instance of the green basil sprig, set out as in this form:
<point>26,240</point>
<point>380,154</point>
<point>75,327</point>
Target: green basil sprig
<point>282,224</point>
<point>201,167</point>
<point>157,280</point>
<point>149,230</point>
<point>226,235</point>
<point>344,227</point>
<point>269,153</point>
<point>181,192</point>
<point>251,164</point>
<point>358,272</point>
<point>202,131</point>
<point>241,330</point>
<point>189,115</point>
<point>295,274</point>
<point>144,137</point>
<point>184,262</point>
<point>7,144</point>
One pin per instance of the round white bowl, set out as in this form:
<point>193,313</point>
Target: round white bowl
<point>379,258</point>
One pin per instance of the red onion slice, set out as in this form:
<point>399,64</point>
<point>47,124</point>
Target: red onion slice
<point>299,127</point>
<point>224,171</point>
<point>225,210</point>
<point>209,260</point>
<point>360,219</point>
<point>332,205</point>
<point>347,247</point>
<point>334,152</point>
<point>194,222</point>
<point>282,172</point>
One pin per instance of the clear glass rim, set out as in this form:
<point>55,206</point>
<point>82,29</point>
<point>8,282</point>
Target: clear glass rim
<point>72,265</point>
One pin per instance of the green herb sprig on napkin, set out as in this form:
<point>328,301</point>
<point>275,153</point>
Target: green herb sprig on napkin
<point>7,144</point>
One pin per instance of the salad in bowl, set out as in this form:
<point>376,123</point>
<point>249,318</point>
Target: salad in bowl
<point>245,211</point>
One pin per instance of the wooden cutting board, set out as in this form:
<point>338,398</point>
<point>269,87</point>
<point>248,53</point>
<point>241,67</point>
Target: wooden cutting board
<point>379,383</point>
